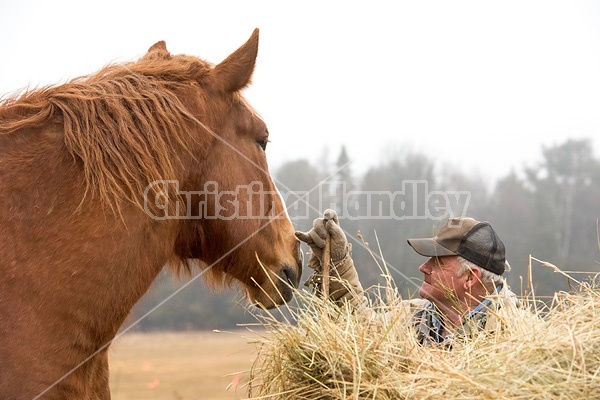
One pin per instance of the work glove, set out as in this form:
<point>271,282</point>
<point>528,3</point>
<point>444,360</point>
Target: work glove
<point>344,285</point>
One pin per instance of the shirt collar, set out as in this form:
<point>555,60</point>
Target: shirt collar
<point>483,306</point>
<point>438,323</point>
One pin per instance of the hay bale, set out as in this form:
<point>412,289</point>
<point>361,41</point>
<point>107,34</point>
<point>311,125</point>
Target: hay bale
<point>330,353</point>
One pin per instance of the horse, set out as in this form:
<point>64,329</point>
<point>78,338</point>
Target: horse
<point>108,178</point>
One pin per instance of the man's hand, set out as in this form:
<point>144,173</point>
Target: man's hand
<point>344,285</point>
<point>315,238</point>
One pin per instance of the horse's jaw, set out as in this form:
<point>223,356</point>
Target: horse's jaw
<point>277,291</point>
<point>262,300</point>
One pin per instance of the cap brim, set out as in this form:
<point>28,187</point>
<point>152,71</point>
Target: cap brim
<point>429,248</point>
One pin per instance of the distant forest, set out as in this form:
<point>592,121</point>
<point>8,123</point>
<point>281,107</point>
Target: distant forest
<point>548,211</point>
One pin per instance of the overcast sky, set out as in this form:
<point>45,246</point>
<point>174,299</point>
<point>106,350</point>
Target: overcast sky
<point>481,85</point>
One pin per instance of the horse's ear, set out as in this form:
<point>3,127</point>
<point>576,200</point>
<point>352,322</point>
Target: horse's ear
<point>158,50</point>
<point>158,46</point>
<point>234,73</point>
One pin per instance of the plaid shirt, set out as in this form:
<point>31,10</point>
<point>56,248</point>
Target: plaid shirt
<point>429,324</point>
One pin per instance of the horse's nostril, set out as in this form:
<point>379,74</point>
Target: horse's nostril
<point>290,276</point>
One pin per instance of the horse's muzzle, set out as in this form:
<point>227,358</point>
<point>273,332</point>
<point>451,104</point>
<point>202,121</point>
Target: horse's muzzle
<point>291,275</point>
<point>290,278</point>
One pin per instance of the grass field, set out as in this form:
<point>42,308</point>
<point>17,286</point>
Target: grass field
<point>181,366</point>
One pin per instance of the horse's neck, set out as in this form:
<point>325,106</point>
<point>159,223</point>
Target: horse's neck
<point>121,264</point>
<point>84,265</point>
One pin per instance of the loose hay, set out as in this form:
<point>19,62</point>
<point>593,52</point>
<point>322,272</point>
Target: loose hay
<point>330,353</point>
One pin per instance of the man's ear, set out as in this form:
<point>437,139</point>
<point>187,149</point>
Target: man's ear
<point>473,277</point>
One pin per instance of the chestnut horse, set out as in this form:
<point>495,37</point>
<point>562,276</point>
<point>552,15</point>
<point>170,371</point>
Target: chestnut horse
<point>106,179</point>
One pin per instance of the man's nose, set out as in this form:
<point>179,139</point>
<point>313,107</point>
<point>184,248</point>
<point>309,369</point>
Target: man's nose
<point>424,268</point>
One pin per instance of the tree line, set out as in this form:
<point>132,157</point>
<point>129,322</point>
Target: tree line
<point>548,211</point>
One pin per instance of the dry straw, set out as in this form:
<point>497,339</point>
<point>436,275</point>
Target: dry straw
<point>536,352</point>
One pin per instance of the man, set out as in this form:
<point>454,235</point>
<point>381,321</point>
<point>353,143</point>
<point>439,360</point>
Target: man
<point>463,280</point>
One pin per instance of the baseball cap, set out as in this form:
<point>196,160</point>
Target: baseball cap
<point>466,237</point>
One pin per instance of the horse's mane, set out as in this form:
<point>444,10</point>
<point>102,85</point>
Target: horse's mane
<point>123,122</point>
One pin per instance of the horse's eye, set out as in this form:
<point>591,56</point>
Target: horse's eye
<point>263,143</point>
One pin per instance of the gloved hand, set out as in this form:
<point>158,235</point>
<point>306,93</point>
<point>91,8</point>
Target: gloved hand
<point>344,284</point>
<point>315,238</point>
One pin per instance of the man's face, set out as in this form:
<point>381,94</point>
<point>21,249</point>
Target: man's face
<point>440,284</point>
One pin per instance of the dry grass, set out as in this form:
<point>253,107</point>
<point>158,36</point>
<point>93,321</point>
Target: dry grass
<point>536,353</point>
<point>178,366</point>
<point>328,353</point>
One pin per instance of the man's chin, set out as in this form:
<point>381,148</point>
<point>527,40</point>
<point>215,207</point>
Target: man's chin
<point>423,292</point>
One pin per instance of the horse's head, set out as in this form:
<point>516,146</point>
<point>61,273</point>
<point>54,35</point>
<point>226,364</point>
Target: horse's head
<point>236,222</point>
